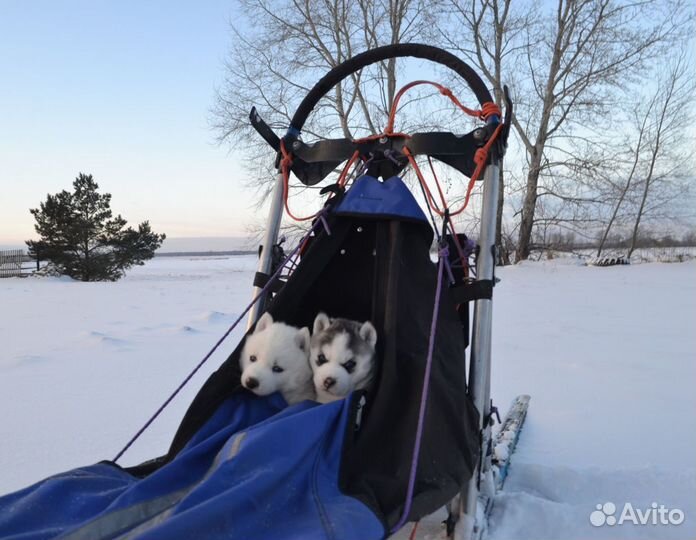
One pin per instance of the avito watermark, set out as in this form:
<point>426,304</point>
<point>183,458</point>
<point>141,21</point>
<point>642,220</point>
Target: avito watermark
<point>656,514</point>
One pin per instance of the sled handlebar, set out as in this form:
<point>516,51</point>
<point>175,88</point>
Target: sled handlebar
<point>372,56</point>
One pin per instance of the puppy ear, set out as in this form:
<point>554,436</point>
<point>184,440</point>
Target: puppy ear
<point>321,322</point>
<point>368,333</point>
<point>265,321</point>
<point>302,339</point>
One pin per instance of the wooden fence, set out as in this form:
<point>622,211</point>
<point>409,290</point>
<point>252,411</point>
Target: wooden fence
<point>13,263</point>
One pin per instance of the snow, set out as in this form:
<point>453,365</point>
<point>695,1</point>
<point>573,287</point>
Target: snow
<point>607,355</point>
<point>501,452</point>
<point>83,365</point>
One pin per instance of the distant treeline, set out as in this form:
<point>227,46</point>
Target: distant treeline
<point>570,241</point>
<point>205,253</point>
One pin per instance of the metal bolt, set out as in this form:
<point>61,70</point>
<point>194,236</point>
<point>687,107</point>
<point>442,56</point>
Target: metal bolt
<point>343,252</point>
<point>383,140</point>
<point>360,229</point>
<point>296,145</point>
<point>480,134</point>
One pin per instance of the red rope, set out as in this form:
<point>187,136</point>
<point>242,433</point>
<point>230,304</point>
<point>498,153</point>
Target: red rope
<point>412,536</point>
<point>483,114</point>
<point>286,167</point>
<point>487,110</point>
<point>437,184</point>
<point>480,158</point>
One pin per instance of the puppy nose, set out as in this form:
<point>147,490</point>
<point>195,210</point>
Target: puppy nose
<point>251,383</point>
<point>329,382</point>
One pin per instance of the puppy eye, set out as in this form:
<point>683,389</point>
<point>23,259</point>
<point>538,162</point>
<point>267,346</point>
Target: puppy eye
<point>321,359</point>
<point>349,365</point>
<point>277,369</point>
<point>252,358</point>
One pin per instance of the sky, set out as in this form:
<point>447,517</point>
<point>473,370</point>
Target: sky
<point>121,90</point>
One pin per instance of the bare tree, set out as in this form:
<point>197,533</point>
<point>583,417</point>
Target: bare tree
<point>650,173</point>
<point>572,69</point>
<point>566,68</point>
<point>635,152</point>
<point>663,131</point>
<point>289,44</point>
<point>593,48</point>
<point>486,34</point>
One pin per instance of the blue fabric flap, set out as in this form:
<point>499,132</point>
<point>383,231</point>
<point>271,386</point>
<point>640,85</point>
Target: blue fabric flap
<point>391,198</point>
<point>256,470</point>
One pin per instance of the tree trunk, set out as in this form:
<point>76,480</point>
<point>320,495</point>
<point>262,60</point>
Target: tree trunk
<point>648,180</point>
<point>503,258</point>
<point>529,206</point>
<point>666,95</point>
<point>537,150</point>
<point>636,159</point>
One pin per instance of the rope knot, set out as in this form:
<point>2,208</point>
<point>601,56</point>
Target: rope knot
<point>489,109</point>
<point>286,161</point>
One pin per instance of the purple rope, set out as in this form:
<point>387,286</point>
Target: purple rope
<point>469,247</point>
<point>263,291</point>
<point>324,223</point>
<point>448,267</point>
<point>443,254</point>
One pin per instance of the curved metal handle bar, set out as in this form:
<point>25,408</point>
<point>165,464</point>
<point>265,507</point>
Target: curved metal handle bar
<point>372,56</point>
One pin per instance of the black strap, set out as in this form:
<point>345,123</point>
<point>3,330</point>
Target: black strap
<point>473,290</point>
<point>313,162</point>
<point>378,54</point>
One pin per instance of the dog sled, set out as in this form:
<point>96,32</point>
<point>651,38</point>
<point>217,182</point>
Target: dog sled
<point>246,467</point>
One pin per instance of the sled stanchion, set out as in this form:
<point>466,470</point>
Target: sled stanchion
<point>270,237</point>
<point>480,359</point>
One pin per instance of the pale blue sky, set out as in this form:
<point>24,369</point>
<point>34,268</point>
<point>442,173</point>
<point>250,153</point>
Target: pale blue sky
<point>122,90</point>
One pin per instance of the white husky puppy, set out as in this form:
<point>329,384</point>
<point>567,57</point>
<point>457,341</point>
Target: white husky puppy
<point>342,356</point>
<point>275,358</point>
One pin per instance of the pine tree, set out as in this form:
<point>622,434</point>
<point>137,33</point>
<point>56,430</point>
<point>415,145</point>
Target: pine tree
<point>81,237</point>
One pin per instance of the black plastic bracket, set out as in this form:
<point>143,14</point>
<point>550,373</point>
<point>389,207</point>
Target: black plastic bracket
<point>263,129</point>
<point>473,290</point>
<point>261,280</point>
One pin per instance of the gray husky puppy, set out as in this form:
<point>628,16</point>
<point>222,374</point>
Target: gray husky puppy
<point>342,356</point>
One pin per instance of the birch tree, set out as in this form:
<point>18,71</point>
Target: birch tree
<point>667,157</point>
<point>568,66</point>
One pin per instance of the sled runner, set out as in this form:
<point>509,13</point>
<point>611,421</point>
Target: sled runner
<point>248,467</point>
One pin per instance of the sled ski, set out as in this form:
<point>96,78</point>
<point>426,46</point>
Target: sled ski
<point>507,437</point>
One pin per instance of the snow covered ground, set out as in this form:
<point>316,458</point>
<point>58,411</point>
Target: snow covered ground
<point>608,355</point>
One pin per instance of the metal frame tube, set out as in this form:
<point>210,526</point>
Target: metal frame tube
<point>270,237</point>
<point>480,357</point>
<point>480,361</point>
